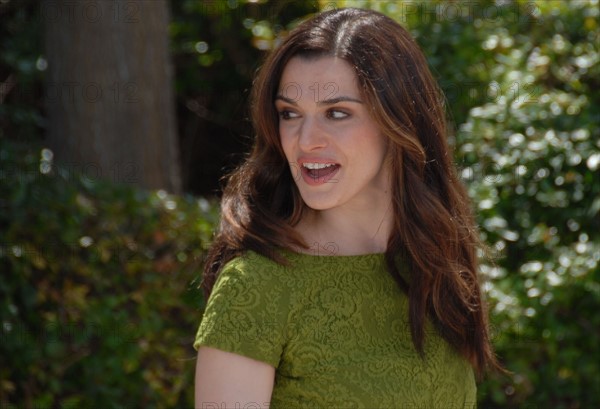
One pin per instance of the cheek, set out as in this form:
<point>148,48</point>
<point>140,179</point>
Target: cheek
<point>374,151</point>
<point>371,141</point>
<point>286,146</point>
<point>379,142</point>
<point>385,144</point>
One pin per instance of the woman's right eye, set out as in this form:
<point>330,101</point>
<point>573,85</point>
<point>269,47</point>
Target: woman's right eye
<point>286,114</point>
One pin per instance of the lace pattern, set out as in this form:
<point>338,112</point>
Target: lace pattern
<point>336,330</point>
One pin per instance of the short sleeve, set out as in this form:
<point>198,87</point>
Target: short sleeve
<point>246,313</point>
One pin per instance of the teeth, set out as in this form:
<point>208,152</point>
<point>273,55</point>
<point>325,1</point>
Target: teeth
<point>317,165</point>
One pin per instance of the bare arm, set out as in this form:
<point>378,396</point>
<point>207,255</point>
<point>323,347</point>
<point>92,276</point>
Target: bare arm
<point>225,378</point>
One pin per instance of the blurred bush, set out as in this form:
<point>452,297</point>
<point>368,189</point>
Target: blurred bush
<point>98,305</point>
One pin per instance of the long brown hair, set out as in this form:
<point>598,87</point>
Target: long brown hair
<point>434,232</point>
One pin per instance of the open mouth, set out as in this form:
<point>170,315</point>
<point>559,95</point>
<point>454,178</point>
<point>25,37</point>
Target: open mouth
<point>319,171</point>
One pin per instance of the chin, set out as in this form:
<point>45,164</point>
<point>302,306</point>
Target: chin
<point>316,204</point>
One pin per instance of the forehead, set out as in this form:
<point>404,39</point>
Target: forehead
<point>325,72</point>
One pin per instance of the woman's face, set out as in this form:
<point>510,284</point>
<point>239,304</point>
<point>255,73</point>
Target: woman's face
<point>335,149</point>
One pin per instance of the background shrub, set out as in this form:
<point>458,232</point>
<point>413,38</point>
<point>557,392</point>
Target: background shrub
<point>99,305</point>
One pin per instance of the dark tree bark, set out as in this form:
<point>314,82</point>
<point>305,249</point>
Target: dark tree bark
<point>109,90</point>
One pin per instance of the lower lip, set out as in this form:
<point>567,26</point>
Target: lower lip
<point>317,181</point>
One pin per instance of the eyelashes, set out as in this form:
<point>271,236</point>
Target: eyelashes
<point>337,114</point>
<point>287,115</point>
<point>333,114</point>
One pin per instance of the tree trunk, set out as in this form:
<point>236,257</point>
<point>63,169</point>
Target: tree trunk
<point>109,91</point>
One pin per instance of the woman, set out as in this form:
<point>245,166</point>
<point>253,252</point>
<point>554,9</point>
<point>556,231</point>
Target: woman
<point>344,271</point>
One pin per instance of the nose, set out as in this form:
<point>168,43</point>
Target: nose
<point>311,135</point>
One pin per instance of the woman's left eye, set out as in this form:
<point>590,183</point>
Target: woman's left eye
<point>337,114</point>
<point>286,115</point>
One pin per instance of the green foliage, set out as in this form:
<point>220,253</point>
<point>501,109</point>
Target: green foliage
<point>99,304</point>
<point>539,203</point>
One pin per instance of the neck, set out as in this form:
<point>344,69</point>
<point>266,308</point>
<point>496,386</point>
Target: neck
<point>347,231</point>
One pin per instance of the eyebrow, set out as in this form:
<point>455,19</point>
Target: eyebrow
<point>330,101</point>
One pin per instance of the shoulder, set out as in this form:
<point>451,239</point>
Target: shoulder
<point>251,270</point>
<point>247,310</point>
<point>252,264</point>
<point>252,261</point>
<point>249,285</point>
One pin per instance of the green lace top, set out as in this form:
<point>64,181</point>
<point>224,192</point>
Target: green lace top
<point>336,330</point>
